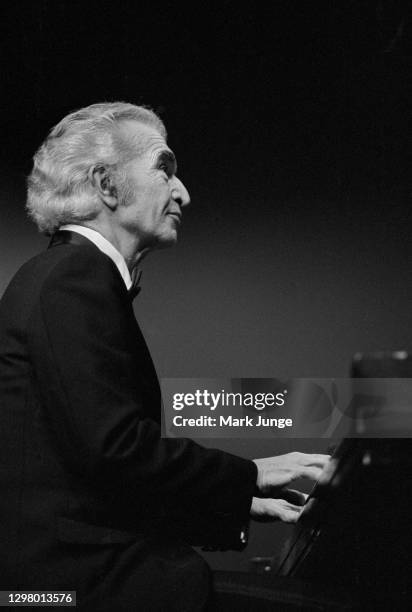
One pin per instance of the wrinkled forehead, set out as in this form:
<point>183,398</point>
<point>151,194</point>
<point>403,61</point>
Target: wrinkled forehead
<point>136,139</point>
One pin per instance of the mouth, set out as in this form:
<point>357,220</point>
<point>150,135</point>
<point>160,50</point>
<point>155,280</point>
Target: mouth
<point>176,216</point>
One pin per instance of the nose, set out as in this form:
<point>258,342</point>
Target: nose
<point>179,192</point>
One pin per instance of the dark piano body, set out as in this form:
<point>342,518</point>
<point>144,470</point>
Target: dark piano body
<point>355,533</point>
<point>352,547</point>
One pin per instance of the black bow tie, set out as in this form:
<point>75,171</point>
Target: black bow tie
<point>135,288</point>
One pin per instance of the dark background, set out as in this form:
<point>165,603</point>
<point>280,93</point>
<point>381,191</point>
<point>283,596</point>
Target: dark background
<point>291,125</point>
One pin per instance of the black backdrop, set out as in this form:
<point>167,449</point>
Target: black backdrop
<point>291,122</point>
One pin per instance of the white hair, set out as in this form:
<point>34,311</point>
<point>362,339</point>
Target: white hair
<point>59,190</point>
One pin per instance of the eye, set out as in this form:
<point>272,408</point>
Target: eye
<point>164,167</point>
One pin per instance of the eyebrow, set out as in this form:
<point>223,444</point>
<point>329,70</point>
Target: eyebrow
<point>168,157</point>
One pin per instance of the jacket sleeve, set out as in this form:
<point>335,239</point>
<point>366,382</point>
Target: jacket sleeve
<point>88,375</point>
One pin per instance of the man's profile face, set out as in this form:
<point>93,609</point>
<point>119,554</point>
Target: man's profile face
<point>154,196</point>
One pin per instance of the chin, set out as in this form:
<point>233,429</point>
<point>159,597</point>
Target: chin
<point>167,240</point>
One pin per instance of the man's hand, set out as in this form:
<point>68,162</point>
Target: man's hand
<point>275,474</point>
<point>267,510</point>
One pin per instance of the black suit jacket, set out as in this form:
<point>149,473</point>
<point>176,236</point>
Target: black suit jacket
<point>90,493</point>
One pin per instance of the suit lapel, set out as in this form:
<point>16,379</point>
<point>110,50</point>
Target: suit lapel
<point>147,373</point>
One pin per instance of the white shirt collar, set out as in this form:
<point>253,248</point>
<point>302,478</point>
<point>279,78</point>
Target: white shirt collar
<point>105,246</point>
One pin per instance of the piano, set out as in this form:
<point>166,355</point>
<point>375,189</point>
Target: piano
<point>352,546</point>
<point>355,531</point>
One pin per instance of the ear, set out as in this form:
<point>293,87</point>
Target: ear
<point>101,180</point>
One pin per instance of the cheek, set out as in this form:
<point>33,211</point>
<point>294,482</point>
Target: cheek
<point>127,194</point>
<point>158,202</point>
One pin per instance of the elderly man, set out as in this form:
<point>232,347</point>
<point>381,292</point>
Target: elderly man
<point>91,493</point>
